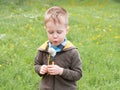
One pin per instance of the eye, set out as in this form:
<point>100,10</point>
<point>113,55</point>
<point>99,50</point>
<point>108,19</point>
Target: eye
<point>50,32</point>
<point>59,31</point>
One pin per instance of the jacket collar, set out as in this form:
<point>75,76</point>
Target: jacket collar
<point>68,46</point>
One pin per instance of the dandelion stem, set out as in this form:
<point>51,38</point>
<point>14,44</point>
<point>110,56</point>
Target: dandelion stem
<point>49,59</point>
<point>53,62</point>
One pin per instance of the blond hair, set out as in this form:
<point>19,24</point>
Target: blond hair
<point>57,15</point>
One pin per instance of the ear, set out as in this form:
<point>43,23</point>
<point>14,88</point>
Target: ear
<point>68,29</point>
<point>45,27</point>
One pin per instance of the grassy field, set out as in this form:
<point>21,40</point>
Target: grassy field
<point>94,29</point>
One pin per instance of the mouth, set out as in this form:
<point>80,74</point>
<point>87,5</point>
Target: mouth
<point>55,43</point>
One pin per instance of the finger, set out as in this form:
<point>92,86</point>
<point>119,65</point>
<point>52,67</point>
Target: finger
<point>50,66</point>
<point>51,73</point>
<point>42,72</point>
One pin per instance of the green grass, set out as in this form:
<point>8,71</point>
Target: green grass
<point>94,29</point>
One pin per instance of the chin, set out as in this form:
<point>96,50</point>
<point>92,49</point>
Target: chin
<point>55,44</point>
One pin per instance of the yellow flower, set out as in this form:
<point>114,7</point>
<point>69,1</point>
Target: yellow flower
<point>116,36</point>
<point>0,65</point>
<point>11,46</point>
<point>94,38</point>
<point>97,43</point>
<point>33,35</point>
<point>80,43</point>
<point>111,16</point>
<point>110,30</point>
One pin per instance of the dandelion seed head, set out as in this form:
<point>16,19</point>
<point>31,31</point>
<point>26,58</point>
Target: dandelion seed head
<point>52,51</point>
<point>2,36</point>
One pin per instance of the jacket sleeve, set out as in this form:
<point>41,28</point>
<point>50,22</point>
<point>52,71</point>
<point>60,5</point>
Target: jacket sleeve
<point>75,71</point>
<point>38,63</point>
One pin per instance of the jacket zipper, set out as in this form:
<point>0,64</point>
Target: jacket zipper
<point>54,83</point>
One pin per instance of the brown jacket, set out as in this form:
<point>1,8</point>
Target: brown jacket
<point>68,59</point>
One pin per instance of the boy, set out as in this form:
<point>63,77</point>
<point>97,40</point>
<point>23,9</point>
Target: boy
<point>58,61</point>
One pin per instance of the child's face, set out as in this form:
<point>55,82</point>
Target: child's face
<point>56,33</point>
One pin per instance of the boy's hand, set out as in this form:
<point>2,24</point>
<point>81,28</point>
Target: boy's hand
<point>54,70</point>
<point>43,69</point>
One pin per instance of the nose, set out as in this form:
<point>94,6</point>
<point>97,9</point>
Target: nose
<point>55,35</point>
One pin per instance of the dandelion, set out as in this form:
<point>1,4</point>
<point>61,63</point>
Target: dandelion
<point>97,43</point>
<point>80,43</point>
<point>111,16</point>
<point>2,36</point>
<point>116,37</point>
<point>52,53</point>
<point>110,30</point>
<point>33,35</point>
<point>110,26</point>
<point>11,46</point>
<point>0,65</point>
<point>94,37</point>
<point>104,30</point>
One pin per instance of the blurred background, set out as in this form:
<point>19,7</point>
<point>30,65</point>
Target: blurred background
<point>94,29</point>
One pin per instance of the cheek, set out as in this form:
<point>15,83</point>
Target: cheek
<point>64,34</point>
<point>49,36</point>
